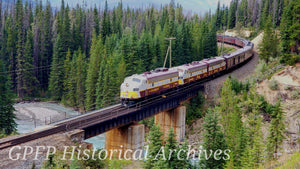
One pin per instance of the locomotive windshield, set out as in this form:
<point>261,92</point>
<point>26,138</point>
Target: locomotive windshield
<point>136,80</point>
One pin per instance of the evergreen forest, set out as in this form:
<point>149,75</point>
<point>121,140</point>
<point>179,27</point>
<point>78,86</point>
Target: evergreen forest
<point>79,56</point>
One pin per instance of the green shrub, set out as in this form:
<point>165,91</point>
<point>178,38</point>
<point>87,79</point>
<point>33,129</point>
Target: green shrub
<point>194,109</point>
<point>287,87</point>
<point>261,67</point>
<point>295,94</point>
<point>290,59</point>
<point>237,86</point>
<point>148,122</point>
<point>273,85</point>
<point>292,162</point>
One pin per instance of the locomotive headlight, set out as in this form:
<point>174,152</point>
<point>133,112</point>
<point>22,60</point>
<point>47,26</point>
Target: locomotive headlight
<point>126,84</point>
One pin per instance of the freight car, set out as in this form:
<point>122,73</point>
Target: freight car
<point>140,86</point>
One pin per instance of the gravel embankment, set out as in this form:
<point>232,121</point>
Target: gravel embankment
<point>212,87</point>
<point>57,140</point>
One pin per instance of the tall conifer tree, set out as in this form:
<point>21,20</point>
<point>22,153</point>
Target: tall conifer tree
<point>276,131</point>
<point>57,72</point>
<point>155,145</point>
<point>93,71</point>
<point>7,117</point>
<point>213,140</point>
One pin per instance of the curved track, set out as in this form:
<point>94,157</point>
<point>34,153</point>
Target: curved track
<point>92,118</point>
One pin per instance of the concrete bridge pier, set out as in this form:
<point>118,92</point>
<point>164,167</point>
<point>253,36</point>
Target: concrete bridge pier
<point>125,142</point>
<point>174,118</point>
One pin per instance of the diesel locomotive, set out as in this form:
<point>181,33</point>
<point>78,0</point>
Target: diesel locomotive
<point>140,86</point>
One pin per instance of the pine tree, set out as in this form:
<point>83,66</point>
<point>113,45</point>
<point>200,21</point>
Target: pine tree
<point>11,50</point>
<point>136,36</point>
<point>48,46</point>
<point>155,145</point>
<point>7,117</point>
<point>93,71</point>
<point>295,27</point>
<point>108,75</point>
<point>183,150</point>
<point>276,129</point>
<point>20,48</point>
<point>218,16</point>
<point>106,28</point>
<point>252,155</point>
<point>133,58</point>
<point>231,121</point>
<point>213,41</point>
<point>213,140</point>
<point>121,72</point>
<point>66,30</point>
<point>265,13</point>
<point>225,17</point>
<point>285,25</point>
<point>96,20</point>
<point>67,68</point>
<point>172,29</point>
<point>77,30</point>
<point>278,12</point>
<point>3,40</point>
<point>195,42</point>
<point>178,51</point>
<point>38,44</point>
<point>232,14</point>
<point>69,79</point>
<point>80,79</point>
<point>269,44</point>
<point>158,60</point>
<point>57,72</point>
<point>242,13</point>
<point>290,26</point>
<point>29,80</point>
<point>100,84</point>
<point>170,150</point>
<point>0,17</point>
<point>145,50</point>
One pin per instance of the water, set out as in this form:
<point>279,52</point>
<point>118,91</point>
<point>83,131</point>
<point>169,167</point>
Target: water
<point>97,141</point>
<point>39,114</point>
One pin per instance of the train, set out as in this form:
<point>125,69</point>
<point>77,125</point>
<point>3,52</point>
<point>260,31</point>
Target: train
<point>148,84</point>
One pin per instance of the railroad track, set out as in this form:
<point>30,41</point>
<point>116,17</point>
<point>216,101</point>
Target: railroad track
<point>86,120</point>
<point>77,122</point>
<point>98,116</point>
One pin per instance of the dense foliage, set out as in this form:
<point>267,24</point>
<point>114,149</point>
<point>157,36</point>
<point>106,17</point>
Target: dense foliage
<point>290,32</point>
<point>214,140</point>
<point>267,15</point>
<point>235,124</point>
<point>244,137</point>
<point>165,152</point>
<point>7,123</point>
<point>194,108</point>
<point>81,55</point>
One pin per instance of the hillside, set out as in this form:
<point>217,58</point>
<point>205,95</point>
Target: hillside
<point>288,92</point>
